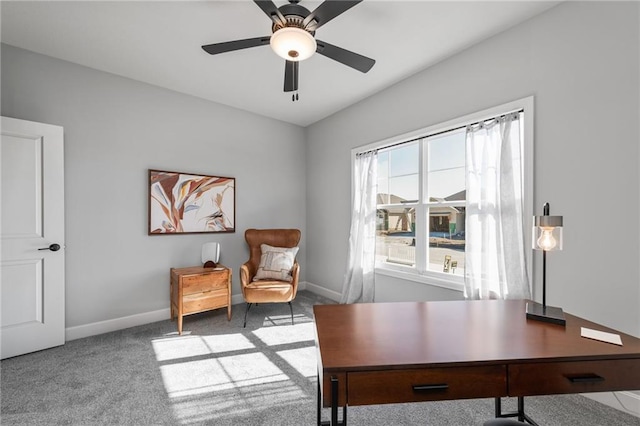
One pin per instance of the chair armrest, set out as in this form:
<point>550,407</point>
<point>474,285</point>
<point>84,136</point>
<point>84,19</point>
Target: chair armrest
<point>295,273</point>
<point>246,274</point>
<point>245,278</point>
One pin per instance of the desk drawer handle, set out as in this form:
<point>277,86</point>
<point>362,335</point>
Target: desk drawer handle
<point>586,378</point>
<point>430,388</point>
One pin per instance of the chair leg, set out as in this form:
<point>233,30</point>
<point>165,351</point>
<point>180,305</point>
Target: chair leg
<point>291,309</point>
<point>245,315</point>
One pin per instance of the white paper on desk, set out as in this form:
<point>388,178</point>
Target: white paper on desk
<point>601,335</point>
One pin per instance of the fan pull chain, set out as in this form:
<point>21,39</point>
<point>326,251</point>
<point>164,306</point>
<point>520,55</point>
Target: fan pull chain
<point>295,97</point>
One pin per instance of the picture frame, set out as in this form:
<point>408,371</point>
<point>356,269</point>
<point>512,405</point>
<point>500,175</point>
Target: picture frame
<point>447,263</point>
<point>190,203</point>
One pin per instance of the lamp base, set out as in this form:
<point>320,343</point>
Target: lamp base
<point>538,312</point>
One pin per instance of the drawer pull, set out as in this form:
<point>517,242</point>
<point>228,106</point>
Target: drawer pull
<point>585,378</point>
<point>430,388</point>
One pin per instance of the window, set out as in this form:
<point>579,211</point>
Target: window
<point>421,198</point>
<point>439,213</point>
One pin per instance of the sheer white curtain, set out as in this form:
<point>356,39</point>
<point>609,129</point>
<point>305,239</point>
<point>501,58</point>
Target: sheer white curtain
<point>358,283</point>
<point>495,252</point>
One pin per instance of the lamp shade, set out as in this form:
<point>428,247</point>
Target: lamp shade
<point>547,233</point>
<point>547,236</point>
<point>210,253</point>
<point>293,44</point>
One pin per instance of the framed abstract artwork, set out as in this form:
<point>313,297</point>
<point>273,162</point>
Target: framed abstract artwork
<point>186,203</point>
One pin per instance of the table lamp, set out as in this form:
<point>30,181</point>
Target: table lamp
<point>210,254</point>
<point>547,236</point>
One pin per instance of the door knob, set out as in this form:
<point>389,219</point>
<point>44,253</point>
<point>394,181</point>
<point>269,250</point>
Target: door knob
<point>52,247</point>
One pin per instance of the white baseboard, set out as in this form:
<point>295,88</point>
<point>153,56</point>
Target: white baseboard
<point>627,401</point>
<point>329,294</point>
<point>101,327</point>
<point>93,329</point>
<point>237,299</point>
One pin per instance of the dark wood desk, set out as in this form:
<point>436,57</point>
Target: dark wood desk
<point>378,353</point>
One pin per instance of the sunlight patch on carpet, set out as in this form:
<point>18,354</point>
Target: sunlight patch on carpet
<point>236,404</point>
<point>285,334</point>
<point>302,359</point>
<point>209,375</point>
<point>278,320</point>
<point>190,346</point>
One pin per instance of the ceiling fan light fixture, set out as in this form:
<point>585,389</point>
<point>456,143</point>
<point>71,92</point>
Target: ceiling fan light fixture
<point>293,44</point>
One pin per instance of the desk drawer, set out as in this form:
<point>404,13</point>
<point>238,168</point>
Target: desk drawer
<point>204,301</point>
<point>574,377</point>
<point>432,384</point>
<point>198,283</point>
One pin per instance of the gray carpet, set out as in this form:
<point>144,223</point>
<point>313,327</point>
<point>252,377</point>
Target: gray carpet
<point>222,374</point>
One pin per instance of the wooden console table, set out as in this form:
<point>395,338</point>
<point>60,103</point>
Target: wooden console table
<point>196,289</point>
<point>378,353</point>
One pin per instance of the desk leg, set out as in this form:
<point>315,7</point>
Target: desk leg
<point>520,414</point>
<point>334,406</point>
<point>319,423</point>
<point>334,401</point>
<point>520,409</point>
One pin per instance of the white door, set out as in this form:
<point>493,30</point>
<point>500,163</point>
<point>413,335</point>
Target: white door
<point>31,225</point>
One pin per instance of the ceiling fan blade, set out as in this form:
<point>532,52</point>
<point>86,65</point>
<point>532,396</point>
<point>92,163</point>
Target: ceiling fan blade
<point>344,56</point>
<point>271,11</point>
<point>229,46</point>
<point>329,10</point>
<point>291,76</point>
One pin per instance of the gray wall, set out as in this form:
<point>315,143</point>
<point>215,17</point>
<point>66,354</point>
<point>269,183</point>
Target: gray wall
<point>115,130</point>
<point>580,60</point>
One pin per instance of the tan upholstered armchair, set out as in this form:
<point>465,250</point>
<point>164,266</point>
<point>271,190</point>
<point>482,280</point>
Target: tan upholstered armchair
<point>270,276</point>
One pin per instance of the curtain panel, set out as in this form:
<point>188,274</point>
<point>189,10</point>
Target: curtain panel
<point>495,252</point>
<point>358,285</point>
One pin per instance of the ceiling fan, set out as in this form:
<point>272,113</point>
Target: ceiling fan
<point>293,38</point>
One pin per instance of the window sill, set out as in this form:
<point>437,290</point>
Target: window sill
<point>451,282</point>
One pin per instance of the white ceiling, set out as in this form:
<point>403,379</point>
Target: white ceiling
<point>158,42</point>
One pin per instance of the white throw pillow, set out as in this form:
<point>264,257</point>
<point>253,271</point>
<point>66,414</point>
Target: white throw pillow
<point>276,263</point>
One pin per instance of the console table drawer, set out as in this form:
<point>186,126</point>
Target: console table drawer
<point>198,283</point>
<point>204,302</point>
<point>432,384</point>
<point>573,377</point>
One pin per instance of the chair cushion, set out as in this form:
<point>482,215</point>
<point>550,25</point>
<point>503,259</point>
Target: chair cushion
<point>276,263</point>
<point>266,291</point>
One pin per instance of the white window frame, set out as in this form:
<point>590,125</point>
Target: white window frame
<point>419,274</point>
